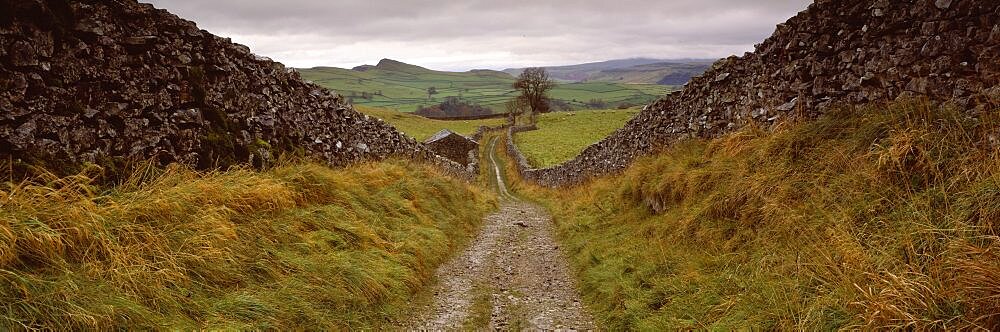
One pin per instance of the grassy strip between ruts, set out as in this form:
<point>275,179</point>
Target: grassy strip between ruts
<point>881,216</point>
<point>300,246</point>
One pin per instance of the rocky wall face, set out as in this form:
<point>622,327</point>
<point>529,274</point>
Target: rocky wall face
<point>836,52</point>
<point>89,80</point>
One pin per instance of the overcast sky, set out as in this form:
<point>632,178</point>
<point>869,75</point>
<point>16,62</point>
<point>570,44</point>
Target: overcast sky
<point>492,34</point>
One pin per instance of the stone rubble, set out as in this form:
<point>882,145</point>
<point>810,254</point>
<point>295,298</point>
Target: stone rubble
<point>836,52</point>
<point>92,81</point>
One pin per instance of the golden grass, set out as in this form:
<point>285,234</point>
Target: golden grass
<point>300,246</point>
<point>884,216</point>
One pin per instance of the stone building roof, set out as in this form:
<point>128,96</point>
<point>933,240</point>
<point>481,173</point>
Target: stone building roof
<point>443,134</point>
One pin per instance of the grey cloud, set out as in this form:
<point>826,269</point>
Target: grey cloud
<point>530,32</point>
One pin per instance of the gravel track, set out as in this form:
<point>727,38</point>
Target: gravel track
<point>513,276</point>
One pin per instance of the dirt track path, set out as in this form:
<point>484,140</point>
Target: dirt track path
<point>512,277</point>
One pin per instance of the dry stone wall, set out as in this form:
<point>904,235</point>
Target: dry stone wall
<point>523,128</point>
<point>836,52</point>
<point>520,161</point>
<point>473,157</point>
<point>93,80</point>
<point>483,130</point>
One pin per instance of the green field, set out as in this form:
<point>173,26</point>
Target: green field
<point>422,128</point>
<point>403,87</point>
<point>563,135</point>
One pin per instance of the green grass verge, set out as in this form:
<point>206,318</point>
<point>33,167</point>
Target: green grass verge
<point>561,136</point>
<point>300,246</point>
<point>422,128</point>
<point>881,217</point>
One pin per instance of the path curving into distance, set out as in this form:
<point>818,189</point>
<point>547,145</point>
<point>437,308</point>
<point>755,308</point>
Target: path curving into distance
<point>511,277</point>
<point>501,185</point>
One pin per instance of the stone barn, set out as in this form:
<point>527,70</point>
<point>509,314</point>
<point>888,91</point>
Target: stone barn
<point>453,146</point>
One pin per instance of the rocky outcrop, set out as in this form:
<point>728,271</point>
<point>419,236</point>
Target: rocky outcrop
<point>835,52</point>
<point>95,80</point>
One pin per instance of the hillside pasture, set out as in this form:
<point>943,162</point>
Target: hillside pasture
<point>563,135</point>
<point>404,89</point>
<point>422,128</point>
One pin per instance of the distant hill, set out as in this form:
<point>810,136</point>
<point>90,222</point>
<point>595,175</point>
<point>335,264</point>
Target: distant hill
<point>638,70</point>
<point>580,72</point>
<point>403,87</point>
<point>664,73</point>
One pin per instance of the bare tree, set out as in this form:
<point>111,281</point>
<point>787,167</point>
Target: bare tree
<point>431,91</point>
<point>514,109</point>
<point>534,84</point>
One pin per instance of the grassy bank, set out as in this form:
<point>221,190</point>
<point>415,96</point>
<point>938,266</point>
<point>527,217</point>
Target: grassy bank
<point>563,135</point>
<point>878,217</point>
<point>423,128</point>
<point>296,247</point>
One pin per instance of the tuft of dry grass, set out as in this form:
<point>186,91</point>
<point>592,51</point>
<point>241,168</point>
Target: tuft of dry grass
<point>300,246</point>
<point>874,217</point>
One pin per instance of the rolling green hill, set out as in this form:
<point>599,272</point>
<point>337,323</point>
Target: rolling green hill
<point>665,73</point>
<point>403,87</point>
<point>639,70</point>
